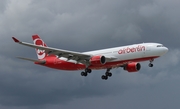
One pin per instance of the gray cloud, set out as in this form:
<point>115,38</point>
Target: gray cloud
<point>81,26</point>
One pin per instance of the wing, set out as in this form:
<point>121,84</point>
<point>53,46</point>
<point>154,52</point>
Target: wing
<point>70,55</point>
<point>79,57</point>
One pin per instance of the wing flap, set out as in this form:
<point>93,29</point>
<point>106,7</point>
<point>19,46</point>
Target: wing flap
<point>77,56</point>
<point>55,51</point>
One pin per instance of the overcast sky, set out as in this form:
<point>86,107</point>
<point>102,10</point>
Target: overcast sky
<point>82,25</point>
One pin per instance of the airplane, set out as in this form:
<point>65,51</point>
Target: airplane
<point>127,57</point>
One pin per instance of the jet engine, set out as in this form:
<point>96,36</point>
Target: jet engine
<point>98,60</point>
<point>132,67</point>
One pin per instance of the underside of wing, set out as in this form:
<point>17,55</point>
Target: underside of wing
<point>84,58</point>
<point>79,57</point>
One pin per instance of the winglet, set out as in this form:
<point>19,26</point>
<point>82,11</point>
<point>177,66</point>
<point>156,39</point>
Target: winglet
<point>15,40</point>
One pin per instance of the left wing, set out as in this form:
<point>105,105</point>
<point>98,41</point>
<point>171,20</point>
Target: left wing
<point>79,57</point>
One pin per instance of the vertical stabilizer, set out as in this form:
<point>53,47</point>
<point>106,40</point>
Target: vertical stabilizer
<point>41,54</point>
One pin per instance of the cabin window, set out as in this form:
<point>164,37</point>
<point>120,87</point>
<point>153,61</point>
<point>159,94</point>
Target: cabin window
<point>159,45</point>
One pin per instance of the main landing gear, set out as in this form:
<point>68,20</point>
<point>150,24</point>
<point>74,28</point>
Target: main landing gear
<point>107,74</point>
<point>104,77</point>
<point>85,73</point>
<point>150,64</point>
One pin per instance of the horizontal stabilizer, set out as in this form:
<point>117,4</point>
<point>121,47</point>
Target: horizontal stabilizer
<point>33,60</point>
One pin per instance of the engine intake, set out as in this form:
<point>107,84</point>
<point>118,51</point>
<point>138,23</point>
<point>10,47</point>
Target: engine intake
<point>133,67</point>
<point>98,60</point>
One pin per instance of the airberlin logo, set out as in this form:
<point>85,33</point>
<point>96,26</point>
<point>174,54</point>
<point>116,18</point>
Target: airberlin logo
<point>40,53</point>
<point>138,48</point>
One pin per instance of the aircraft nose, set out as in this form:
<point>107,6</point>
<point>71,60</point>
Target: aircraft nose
<point>165,50</point>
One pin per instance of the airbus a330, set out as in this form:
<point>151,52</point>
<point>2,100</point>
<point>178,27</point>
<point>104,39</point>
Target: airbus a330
<point>127,57</point>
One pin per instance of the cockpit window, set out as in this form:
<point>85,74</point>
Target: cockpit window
<point>159,45</point>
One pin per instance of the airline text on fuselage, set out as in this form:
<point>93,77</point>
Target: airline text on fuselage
<point>138,48</point>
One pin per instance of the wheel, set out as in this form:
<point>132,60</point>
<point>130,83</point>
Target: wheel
<point>88,70</point>
<point>82,73</point>
<point>150,65</point>
<point>104,77</point>
<point>109,74</point>
<point>85,74</point>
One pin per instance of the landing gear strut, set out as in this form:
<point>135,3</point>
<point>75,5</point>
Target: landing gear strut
<point>85,73</point>
<point>107,74</point>
<point>150,64</point>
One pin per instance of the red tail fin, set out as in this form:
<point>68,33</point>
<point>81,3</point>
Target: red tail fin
<point>41,54</point>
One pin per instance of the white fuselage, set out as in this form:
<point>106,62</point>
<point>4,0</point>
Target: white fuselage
<point>134,51</point>
<point>131,53</point>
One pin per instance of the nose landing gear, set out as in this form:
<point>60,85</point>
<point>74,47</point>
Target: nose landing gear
<point>150,64</point>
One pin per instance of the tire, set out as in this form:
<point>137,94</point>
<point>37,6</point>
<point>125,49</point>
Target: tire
<point>103,77</point>
<point>106,77</point>
<point>150,65</point>
<point>82,73</point>
<point>109,74</point>
<point>85,74</point>
<point>89,70</point>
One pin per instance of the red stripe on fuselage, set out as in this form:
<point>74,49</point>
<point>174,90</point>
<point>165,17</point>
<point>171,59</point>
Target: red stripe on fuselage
<point>56,63</point>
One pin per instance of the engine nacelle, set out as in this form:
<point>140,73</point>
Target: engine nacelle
<point>98,60</point>
<point>133,67</point>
